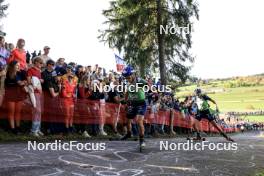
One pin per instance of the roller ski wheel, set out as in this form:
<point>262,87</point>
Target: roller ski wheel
<point>142,146</point>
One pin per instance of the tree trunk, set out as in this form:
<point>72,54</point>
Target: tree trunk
<point>160,36</point>
<point>142,69</point>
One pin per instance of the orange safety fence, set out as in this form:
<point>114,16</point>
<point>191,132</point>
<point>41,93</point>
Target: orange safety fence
<point>95,112</point>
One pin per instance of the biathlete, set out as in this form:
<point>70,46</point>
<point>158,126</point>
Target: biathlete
<point>205,112</point>
<point>136,105</point>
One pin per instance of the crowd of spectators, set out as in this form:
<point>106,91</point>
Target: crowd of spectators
<point>20,70</point>
<point>254,113</point>
<point>240,121</point>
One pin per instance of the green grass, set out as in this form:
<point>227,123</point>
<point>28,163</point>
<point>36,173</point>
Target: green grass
<point>231,99</point>
<point>260,174</point>
<point>241,99</point>
<point>255,118</point>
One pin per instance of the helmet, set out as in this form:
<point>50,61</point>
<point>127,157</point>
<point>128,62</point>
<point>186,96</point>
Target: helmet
<point>197,91</point>
<point>128,71</point>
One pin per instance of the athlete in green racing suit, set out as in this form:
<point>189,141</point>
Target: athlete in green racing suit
<point>136,105</point>
<point>204,111</point>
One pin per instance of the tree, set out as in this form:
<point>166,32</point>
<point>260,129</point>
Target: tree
<point>160,37</point>
<point>3,8</point>
<point>134,28</point>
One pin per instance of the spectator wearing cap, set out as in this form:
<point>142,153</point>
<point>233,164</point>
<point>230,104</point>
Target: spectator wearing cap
<point>34,78</point>
<point>19,55</point>
<point>45,57</point>
<point>51,91</point>
<point>68,93</point>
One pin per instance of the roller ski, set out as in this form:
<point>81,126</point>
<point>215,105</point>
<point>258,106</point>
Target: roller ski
<point>227,137</point>
<point>195,139</point>
<point>126,137</point>
<point>142,145</point>
<point>199,139</point>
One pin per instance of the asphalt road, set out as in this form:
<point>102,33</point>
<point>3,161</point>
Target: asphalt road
<point>123,159</point>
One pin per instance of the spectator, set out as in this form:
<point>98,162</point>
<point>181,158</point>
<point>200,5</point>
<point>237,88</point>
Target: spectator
<point>97,75</point>
<point>171,105</point>
<point>80,72</point>
<point>15,95</point>
<point>51,91</point>
<point>34,78</point>
<point>19,55</point>
<point>84,92</point>
<point>4,53</point>
<point>89,73</point>
<point>99,96</point>
<point>69,85</point>
<point>2,79</point>
<point>95,68</point>
<point>45,57</point>
<point>165,107</point>
<point>153,100</point>
<point>28,57</point>
<point>84,87</point>
<point>51,84</point>
<point>34,54</point>
<point>61,66</point>
<point>115,97</point>
<point>11,47</point>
